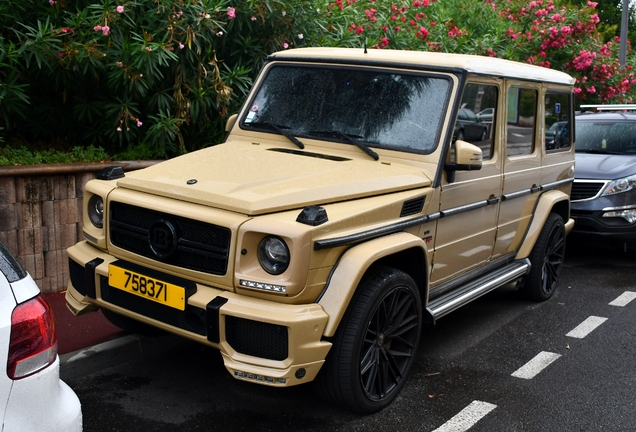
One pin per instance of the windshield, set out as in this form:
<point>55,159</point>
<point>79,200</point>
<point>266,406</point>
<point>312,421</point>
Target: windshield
<point>606,137</point>
<point>369,107</point>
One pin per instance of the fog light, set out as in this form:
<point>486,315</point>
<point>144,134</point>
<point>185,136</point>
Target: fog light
<point>628,214</point>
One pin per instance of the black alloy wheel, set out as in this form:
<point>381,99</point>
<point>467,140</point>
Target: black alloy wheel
<point>375,345</point>
<point>547,260</point>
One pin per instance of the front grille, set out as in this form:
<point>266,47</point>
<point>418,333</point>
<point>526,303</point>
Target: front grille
<point>256,338</point>
<point>582,190</point>
<point>192,319</point>
<point>198,246</point>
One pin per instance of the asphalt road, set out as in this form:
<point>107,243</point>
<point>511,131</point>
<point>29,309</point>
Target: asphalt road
<point>501,363</point>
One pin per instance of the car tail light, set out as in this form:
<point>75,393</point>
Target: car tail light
<point>33,343</point>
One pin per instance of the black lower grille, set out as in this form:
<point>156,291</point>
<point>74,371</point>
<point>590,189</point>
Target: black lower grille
<point>192,319</point>
<point>585,190</point>
<point>257,338</point>
<point>77,276</point>
<point>171,239</point>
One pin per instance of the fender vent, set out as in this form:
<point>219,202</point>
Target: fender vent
<point>413,206</point>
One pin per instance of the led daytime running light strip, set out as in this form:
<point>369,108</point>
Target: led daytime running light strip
<point>263,286</point>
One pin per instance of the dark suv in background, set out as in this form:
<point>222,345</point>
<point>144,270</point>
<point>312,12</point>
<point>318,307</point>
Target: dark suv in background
<point>604,190</point>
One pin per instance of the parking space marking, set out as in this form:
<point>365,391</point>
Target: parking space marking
<point>536,365</point>
<point>586,327</point>
<point>623,299</point>
<point>467,417</point>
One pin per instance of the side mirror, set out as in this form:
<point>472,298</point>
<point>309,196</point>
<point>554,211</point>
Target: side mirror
<point>230,122</point>
<point>468,157</point>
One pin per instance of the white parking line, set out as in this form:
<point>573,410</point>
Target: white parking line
<point>586,327</point>
<point>536,365</point>
<point>467,417</point>
<point>623,299</point>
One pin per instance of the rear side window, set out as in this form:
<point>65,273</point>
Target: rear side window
<point>558,122</point>
<point>522,118</point>
<point>9,266</point>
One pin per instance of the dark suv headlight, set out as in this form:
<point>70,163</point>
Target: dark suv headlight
<point>620,185</point>
<point>273,255</point>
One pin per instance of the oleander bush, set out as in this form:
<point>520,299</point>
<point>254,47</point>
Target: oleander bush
<point>119,73</point>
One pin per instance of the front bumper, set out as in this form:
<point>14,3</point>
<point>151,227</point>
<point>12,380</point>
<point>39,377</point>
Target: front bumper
<point>262,341</point>
<point>590,223</point>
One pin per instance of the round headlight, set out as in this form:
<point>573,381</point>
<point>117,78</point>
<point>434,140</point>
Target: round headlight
<point>96,210</point>
<point>273,254</point>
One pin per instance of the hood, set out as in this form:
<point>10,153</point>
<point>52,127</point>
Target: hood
<point>255,178</point>
<point>603,166</point>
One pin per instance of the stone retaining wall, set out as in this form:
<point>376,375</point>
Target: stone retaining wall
<point>41,215</point>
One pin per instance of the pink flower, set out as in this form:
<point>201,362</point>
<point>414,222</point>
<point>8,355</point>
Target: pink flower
<point>120,9</point>
<point>97,28</point>
<point>52,2</point>
<point>206,16</point>
<point>285,45</point>
<point>139,123</point>
<point>181,46</point>
<point>231,12</point>
<point>119,129</point>
<point>253,18</point>
<point>105,30</point>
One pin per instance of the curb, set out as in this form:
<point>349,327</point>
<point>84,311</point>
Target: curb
<point>118,351</point>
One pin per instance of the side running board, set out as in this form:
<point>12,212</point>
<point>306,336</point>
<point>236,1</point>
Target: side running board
<point>452,300</point>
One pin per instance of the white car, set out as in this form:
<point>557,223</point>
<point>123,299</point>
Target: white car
<point>32,396</point>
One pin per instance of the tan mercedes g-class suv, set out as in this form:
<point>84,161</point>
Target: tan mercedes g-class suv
<point>358,196</point>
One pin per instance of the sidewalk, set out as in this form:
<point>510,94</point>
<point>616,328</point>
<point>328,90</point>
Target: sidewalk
<point>90,343</point>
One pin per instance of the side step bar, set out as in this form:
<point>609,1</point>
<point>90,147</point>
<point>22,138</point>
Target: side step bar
<point>464,294</point>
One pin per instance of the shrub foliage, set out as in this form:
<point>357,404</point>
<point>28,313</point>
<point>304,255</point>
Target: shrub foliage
<point>163,75</point>
<point>107,73</point>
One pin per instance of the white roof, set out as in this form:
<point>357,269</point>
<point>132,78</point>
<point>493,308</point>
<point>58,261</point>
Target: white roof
<point>471,63</point>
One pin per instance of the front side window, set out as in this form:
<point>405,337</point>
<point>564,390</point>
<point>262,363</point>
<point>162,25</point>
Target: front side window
<point>558,127</point>
<point>522,109</point>
<point>380,108</point>
<point>476,116</point>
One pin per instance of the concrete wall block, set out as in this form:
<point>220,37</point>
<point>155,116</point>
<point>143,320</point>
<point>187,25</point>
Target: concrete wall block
<point>47,188</point>
<point>27,190</point>
<point>10,240</point>
<point>80,182</point>
<point>71,211</point>
<point>7,190</point>
<point>59,211</point>
<point>70,186</point>
<point>29,241</point>
<point>8,217</point>
<point>62,270</point>
<point>48,213</point>
<point>29,215</point>
<point>28,262</point>
<point>50,263</point>
<point>69,235</point>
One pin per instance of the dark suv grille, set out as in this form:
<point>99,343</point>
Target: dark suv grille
<point>197,245</point>
<point>585,190</point>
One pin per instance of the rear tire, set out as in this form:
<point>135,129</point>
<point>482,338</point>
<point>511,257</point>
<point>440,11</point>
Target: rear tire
<point>547,260</point>
<point>374,347</point>
<point>131,325</point>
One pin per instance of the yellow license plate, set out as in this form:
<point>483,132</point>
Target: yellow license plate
<point>147,287</point>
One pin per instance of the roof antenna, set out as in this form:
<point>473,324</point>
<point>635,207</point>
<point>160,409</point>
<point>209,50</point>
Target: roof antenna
<point>365,45</point>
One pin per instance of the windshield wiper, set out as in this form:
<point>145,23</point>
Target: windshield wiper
<point>281,130</point>
<point>349,138</point>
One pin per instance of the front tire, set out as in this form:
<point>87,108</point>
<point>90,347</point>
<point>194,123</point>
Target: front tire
<point>546,260</point>
<point>375,345</point>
